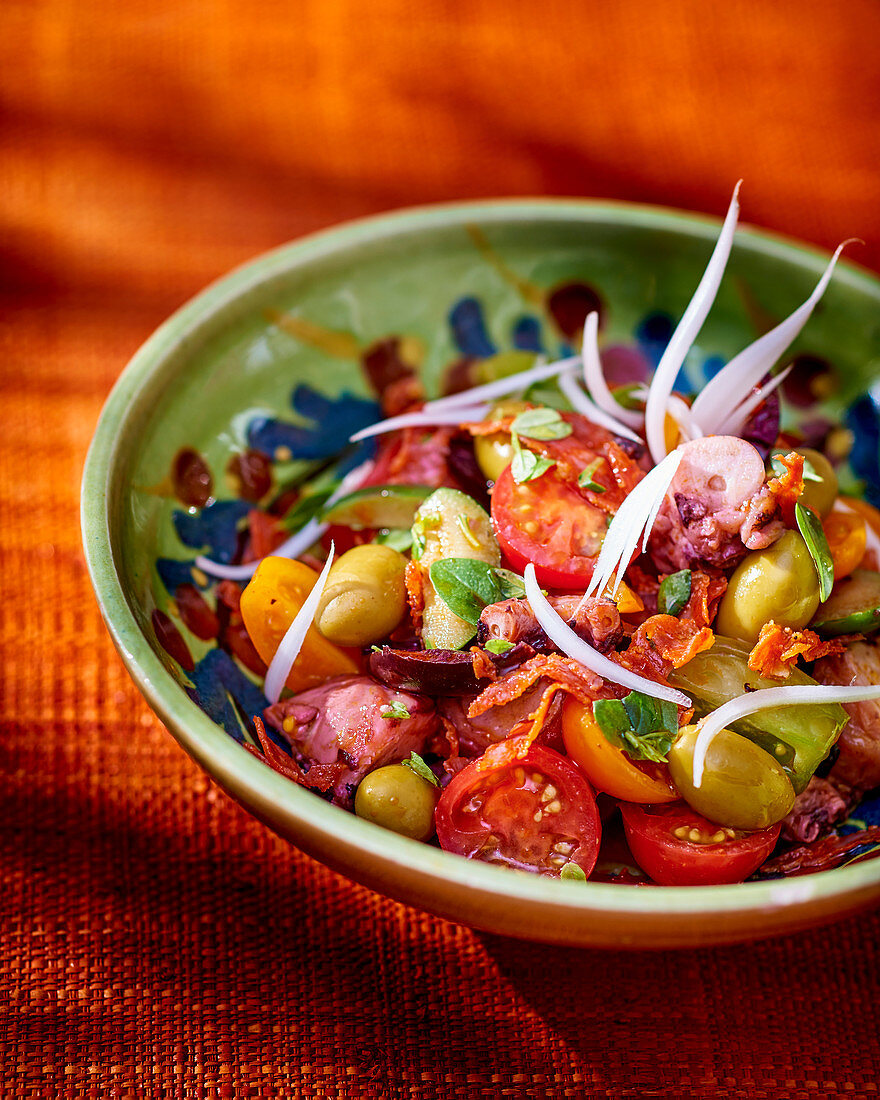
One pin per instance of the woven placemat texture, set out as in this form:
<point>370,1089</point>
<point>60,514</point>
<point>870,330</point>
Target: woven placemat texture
<point>154,940</point>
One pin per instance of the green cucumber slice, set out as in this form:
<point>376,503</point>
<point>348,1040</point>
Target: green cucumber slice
<point>378,506</point>
<point>852,608</point>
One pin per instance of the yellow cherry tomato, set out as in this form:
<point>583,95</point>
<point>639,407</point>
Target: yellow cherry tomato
<point>608,768</point>
<point>871,517</point>
<point>269,604</point>
<point>847,540</point>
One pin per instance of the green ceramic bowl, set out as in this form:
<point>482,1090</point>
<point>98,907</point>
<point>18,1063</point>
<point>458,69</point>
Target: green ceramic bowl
<point>221,359</point>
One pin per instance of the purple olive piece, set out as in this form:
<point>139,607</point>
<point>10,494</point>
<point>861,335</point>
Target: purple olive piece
<point>762,427</point>
<point>463,465</point>
<point>438,671</point>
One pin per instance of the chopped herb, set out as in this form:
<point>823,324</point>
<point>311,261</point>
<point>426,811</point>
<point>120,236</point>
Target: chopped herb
<point>498,645</point>
<point>421,769</point>
<point>573,873</point>
<point>398,538</point>
<point>466,586</point>
<point>674,592</point>
<point>395,710</point>
<point>464,525</point>
<point>641,726</point>
<point>585,478</point>
<point>541,424</point>
<point>525,465</point>
<point>420,528</point>
<point>810,526</point>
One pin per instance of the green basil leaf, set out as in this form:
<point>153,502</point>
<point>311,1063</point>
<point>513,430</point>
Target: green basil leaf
<point>526,466</point>
<point>421,769</point>
<point>541,424</point>
<point>571,872</point>
<point>612,720</point>
<point>674,592</point>
<point>585,477</point>
<point>498,645</point>
<point>810,526</point>
<point>398,538</point>
<point>466,586</point>
<point>395,710</point>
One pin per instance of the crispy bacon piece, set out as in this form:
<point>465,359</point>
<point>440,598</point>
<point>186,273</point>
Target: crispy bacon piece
<point>824,854</point>
<point>518,745</point>
<point>414,593</point>
<point>769,511</point>
<point>475,735</point>
<point>319,777</point>
<point>563,671</point>
<point>787,487</point>
<point>484,668</point>
<point>778,648</point>
<point>663,643</point>
<point>706,593</point>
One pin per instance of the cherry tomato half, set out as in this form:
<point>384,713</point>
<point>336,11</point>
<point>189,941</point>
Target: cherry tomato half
<point>608,768</point>
<point>548,521</point>
<point>660,840</point>
<point>534,814</point>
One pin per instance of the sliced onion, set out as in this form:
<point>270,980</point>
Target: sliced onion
<point>634,519</point>
<point>425,418</point>
<point>582,404</point>
<point>754,701</point>
<point>502,386</point>
<point>561,634</point>
<point>594,376</point>
<point>733,382</point>
<point>685,334</point>
<point>736,421</point>
<point>292,642</point>
<point>681,413</point>
<point>298,543</point>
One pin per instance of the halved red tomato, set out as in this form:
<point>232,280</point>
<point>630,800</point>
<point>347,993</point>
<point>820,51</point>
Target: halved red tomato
<point>549,522</point>
<point>677,847</point>
<point>534,814</point>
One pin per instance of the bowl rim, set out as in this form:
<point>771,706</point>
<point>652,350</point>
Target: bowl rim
<point>238,769</point>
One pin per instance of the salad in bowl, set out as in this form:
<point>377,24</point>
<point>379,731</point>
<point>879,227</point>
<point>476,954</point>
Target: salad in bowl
<point>581,615</point>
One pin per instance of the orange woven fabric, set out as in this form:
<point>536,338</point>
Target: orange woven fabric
<point>154,940</point>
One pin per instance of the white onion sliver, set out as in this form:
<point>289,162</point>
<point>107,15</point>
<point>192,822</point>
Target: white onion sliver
<point>426,418</point>
<point>734,381</point>
<point>581,403</point>
<point>561,634</point>
<point>680,411</point>
<point>736,421</point>
<point>298,543</point>
<point>638,510</point>
<point>685,334</point>
<point>502,386</point>
<point>754,701</point>
<point>594,376</point>
<point>292,642</point>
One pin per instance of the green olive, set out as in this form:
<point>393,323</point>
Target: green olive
<point>398,799</point>
<point>743,787</point>
<point>779,583</point>
<point>818,495</point>
<point>494,452</point>
<point>365,596</point>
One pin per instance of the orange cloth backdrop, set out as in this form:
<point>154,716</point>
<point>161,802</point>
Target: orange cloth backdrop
<point>153,939</point>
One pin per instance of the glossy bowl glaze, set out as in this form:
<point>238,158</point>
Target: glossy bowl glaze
<point>445,284</point>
